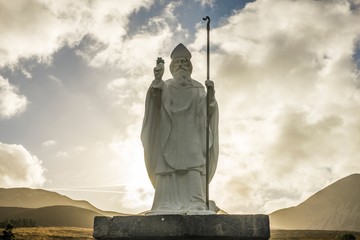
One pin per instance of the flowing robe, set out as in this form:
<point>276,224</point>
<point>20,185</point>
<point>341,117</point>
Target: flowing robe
<point>174,140</point>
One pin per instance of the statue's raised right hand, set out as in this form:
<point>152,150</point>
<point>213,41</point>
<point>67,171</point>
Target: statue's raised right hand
<point>159,70</point>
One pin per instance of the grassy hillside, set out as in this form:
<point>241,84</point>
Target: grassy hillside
<point>66,216</point>
<point>38,198</point>
<point>336,207</point>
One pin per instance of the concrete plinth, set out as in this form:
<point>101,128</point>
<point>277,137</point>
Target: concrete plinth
<point>182,227</point>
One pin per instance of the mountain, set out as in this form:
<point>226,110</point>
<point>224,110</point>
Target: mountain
<point>47,208</point>
<point>336,207</point>
<point>64,216</point>
<point>38,198</point>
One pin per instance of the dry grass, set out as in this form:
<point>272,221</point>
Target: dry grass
<point>71,233</point>
<point>307,234</point>
<point>53,233</point>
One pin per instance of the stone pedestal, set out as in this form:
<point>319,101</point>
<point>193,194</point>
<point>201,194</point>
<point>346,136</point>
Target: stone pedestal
<point>182,227</point>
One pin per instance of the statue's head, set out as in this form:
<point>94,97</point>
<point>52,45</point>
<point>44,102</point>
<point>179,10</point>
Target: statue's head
<point>180,66</point>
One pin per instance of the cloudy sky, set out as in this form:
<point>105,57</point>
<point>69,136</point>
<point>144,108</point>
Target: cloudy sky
<point>73,78</point>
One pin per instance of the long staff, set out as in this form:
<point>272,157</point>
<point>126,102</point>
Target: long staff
<point>207,112</point>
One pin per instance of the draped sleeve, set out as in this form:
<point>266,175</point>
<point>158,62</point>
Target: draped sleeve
<point>150,133</point>
<point>214,132</point>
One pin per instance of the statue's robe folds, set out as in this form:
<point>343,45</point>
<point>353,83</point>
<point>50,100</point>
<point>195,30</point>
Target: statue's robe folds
<point>174,140</point>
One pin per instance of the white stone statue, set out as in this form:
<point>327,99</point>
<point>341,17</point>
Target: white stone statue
<point>174,137</point>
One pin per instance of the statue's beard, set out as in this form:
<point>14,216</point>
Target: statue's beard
<point>182,75</point>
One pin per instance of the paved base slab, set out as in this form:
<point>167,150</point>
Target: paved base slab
<point>182,227</point>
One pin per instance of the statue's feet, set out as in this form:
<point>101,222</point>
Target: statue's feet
<point>167,209</point>
<point>197,207</point>
<point>166,212</point>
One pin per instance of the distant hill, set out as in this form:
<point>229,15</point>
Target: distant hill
<point>48,208</point>
<point>336,207</point>
<point>38,198</point>
<point>64,216</point>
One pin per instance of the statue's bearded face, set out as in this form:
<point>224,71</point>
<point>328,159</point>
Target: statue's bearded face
<point>181,68</point>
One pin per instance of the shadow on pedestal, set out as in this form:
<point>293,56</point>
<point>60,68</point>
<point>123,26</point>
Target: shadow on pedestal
<point>182,227</point>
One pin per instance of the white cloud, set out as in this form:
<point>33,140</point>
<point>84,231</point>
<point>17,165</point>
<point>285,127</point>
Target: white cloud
<point>37,29</point>
<point>56,80</point>
<point>18,168</point>
<point>62,154</point>
<point>79,148</point>
<point>134,55</point>
<point>11,102</point>
<point>49,143</point>
<point>207,2</point>
<point>284,73</point>
<point>30,30</point>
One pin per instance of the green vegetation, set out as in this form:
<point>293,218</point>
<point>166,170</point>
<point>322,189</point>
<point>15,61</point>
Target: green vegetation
<point>7,233</point>
<point>345,236</point>
<point>21,222</point>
